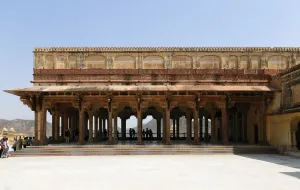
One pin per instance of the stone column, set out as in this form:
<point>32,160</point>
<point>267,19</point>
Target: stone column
<point>53,124</point>
<point>96,127</point>
<point>40,124</point>
<point>123,128</point>
<point>116,127</point>
<point>90,126</point>
<point>174,127</point>
<point>104,125</point>
<point>201,127</point>
<point>56,125</point>
<point>263,128</point>
<point>139,125</point>
<point>224,125</point>
<point>81,127</point>
<point>206,130</point>
<point>65,125</point>
<point>196,137</point>
<point>100,129</point>
<point>164,128</point>
<point>177,127</point>
<point>167,142</point>
<point>158,122</point>
<point>72,123</point>
<point>188,125</point>
<point>109,127</point>
<point>44,134</point>
<point>213,129</point>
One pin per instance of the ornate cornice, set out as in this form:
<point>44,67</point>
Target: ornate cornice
<point>167,49</point>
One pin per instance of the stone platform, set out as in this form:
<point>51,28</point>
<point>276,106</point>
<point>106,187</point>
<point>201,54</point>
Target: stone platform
<point>102,150</point>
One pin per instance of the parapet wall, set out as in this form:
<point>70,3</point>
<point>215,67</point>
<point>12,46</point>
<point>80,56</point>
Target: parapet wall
<point>166,58</point>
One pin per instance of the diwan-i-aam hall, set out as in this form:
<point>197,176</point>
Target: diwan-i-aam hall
<point>249,95</point>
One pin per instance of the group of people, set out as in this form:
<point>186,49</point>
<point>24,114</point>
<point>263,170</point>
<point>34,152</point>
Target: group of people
<point>131,133</point>
<point>148,134</point>
<point>4,147</point>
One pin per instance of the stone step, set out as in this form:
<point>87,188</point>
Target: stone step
<point>145,150</point>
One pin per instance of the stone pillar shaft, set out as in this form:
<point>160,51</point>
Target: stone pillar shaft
<point>196,137</point>
<point>40,124</point>
<point>200,128</point>
<point>224,125</point>
<point>109,127</point>
<point>81,127</point>
<point>164,128</point>
<point>53,125</point>
<point>90,127</point>
<point>174,127</point>
<point>177,127</point>
<point>115,127</point>
<point>104,125</point>
<point>96,127</point>
<point>56,121</point>
<point>206,130</point>
<point>213,129</point>
<point>188,125</point>
<point>139,124</point>
<point>100,129</point>
<point>167,142</point>
<point>123,128</point>
<point>158,122</point>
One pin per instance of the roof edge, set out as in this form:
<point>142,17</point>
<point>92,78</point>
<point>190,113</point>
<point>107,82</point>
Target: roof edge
<point>176,49</point>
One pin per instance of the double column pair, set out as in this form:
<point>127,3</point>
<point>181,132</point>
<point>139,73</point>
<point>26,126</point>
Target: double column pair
<point>81,127</point>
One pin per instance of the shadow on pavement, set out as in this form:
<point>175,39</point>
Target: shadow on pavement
<point>293,174</point>
<point>276,159</point>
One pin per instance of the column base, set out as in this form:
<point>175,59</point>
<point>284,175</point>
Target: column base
<point>110,142</point>
<point>264,142</point>
<point>80,143</point>
<point>195,142</point>
<point>189,141</point>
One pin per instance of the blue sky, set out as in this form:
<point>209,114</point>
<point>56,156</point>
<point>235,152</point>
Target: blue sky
<point>33,23</point>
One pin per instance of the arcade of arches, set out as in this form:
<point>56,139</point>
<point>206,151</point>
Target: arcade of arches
<point>89,119</point>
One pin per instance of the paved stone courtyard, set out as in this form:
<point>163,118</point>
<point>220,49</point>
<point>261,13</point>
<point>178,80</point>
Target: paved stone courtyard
<point>151,172</point>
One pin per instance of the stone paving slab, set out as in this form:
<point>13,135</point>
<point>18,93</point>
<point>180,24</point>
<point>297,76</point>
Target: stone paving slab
<point>182,172</point>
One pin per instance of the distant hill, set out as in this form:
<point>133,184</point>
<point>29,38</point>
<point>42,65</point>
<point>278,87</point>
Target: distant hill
<point>22,126</point>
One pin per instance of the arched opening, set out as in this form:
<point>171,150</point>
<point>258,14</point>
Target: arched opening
<point>152,124</point>
<point>128,121</point>
<point>295,133</point>
<point>149,128</point>
<point>131,127</point>
<point>176,125</point>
